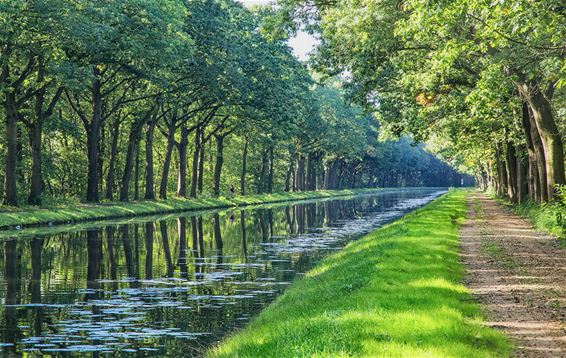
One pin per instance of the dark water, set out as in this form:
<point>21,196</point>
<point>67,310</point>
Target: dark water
<point>171,287</point>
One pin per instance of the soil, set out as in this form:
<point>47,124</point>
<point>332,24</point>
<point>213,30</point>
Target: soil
<point>518,275</point>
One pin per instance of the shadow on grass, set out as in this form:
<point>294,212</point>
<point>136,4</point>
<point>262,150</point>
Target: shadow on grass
<point>396,292</point>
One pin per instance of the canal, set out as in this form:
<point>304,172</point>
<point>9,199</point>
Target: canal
<point>172,286</point>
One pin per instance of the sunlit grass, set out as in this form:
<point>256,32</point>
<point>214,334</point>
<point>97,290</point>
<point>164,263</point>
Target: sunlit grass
<point>11,218</point>
<point>394,293</point>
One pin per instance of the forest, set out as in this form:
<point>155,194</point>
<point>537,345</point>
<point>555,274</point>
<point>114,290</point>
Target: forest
<point>147,99</point>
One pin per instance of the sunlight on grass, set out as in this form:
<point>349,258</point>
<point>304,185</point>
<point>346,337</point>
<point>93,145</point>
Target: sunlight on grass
<point>394,293</point>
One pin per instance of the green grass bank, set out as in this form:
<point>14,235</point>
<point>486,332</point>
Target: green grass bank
<point>33,216</point>
<point>395,293</point>
<point>543,217</point>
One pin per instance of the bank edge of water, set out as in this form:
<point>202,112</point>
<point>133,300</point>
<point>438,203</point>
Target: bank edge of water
<point>36,217</point>
<point>397,292</point>
<point>43,230</point>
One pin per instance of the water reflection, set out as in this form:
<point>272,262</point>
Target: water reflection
<point>125,289</point>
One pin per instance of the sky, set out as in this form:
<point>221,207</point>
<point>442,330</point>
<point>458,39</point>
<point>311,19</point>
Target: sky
<point>302,44</point>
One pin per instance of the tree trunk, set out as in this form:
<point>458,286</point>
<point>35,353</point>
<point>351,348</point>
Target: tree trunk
<point>111,176</point>
<point>300,173</point>
<point>101,156</point>
<point>264,164</point>
<point>219,163</point>
<point>244,164</point>
<point>130,162</point>
<point>167,161</point>
<point>11,162</point>
<point>196,153</point>
<point>512,175</point>
<point>270,175</point>
<point>149,169</point>
<point>137,172</point>
<point>93,141</point>
<point>310,180</point>
<point>533,174</point>
<point>182,175</point>
<point>549,134</point>
<point>540,160</point>
<point>501,173</point>
<point>36,184</point>
<point>522,177</point>
<point>290,173</point>
<point>201,164</point>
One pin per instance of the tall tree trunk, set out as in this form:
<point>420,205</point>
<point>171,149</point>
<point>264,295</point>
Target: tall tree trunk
<point>149,169</point>
<point>549,134</point>
<point>167,161</point>
<point>522,176</point>
<point>196,154</point>
<point>290,173</point>
<point>131,154</point>
<point>201,164</point>
<point>311,172</point>
<point>36,184</point>
<point>93,141</point>
<point>182,175</point>
<point>219,163</point>
<point>512,175</point>
<point>540,160</point>
<point>533,174</point>
<point>101,156</point>
<point>270,175</point>
<point>111,176</point>
<point>501,173</point>
<point>244,164</point>
<point>300,173</point>
<point>264,164</point>
<point>35,131</point>
<point>11,161</point>
<point>137,172</point>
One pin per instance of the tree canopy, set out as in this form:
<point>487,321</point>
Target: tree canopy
<point>145,98</point>
<point>483,82</point>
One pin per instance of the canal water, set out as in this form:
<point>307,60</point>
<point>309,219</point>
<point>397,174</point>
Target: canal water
<point>176,285</point>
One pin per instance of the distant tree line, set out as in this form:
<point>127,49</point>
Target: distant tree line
<point>121,100</point>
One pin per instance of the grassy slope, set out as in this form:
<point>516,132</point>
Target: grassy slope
<point>394,293</point>
<point>10,217</point>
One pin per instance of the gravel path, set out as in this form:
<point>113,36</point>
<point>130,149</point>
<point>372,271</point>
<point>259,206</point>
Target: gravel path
<point>518,275</point>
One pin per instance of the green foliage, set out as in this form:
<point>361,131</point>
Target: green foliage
<point>451,72</point>
<point>397,293</point>
<point>149,98</point>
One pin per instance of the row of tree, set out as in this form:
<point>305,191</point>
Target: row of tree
<point>117,99</point>
<point>482,81</point>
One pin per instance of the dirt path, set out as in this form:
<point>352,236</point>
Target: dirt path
<point>518,275</point>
